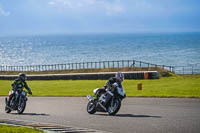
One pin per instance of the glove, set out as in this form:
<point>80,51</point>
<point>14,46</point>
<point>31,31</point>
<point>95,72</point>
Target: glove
<point>29,92</point>
<point>115,85</point>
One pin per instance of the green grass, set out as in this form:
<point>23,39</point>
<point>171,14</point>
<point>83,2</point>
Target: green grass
<point>174,86</point>
<point>16,129</point>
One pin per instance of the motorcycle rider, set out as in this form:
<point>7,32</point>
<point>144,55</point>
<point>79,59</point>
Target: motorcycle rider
<point>19,84</point>
<point>119,77</point>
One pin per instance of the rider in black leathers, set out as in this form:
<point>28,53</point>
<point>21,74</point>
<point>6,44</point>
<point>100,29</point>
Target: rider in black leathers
<point>119,77</point>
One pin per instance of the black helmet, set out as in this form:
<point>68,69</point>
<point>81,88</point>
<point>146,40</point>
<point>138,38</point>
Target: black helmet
<point>22,76</point>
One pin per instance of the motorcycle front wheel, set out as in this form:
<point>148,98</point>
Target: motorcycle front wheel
<point>114,108</point>
<point>91,107</point>
<point>7,109</point>
<point>21,107</point>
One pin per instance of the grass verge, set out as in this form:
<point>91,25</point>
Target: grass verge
<point>174,86</point>
<point>16,129</point>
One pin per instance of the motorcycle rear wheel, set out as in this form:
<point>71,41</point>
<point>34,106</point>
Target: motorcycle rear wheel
<point>21,107</point>
<point>91,107</point>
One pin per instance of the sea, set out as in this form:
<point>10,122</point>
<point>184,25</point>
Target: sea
<point>174,49</point>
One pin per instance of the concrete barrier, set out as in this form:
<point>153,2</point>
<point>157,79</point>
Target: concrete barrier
<point>87,76</point>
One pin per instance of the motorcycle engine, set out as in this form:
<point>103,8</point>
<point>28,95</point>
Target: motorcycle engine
<point>102,98</point>
<point>105,98</point>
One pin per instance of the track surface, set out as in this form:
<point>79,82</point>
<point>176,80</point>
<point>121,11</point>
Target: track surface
<point>137,115</point>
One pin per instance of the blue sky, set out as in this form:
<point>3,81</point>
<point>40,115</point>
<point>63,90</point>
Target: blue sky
<point>80,16</point>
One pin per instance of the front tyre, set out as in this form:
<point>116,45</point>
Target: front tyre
<point>21,107</point>
<point>7,109</point>
<point>91,107</point>
<point>114,108</point>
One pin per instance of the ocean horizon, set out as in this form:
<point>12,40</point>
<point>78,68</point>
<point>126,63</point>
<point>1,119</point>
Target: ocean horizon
<point>175,49</point>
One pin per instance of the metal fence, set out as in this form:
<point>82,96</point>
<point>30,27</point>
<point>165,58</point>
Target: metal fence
<point>193,69</point>
<point>190,69</point>
<point>86,65</point>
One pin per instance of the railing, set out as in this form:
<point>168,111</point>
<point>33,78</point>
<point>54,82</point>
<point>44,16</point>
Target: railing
<point>192,69</point>
<point>86,65</point>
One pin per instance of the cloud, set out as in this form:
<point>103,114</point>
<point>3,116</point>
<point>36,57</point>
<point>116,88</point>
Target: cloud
<point>109,7</point>
<point>113,8</point>
<point>4,13</point>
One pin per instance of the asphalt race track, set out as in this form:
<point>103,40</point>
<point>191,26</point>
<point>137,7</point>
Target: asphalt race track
<point>137,115</point>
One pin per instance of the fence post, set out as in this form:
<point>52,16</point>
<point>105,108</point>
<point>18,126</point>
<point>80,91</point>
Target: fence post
<point>118,63</point>
<point>79,65</point>
<point>51,67</point>
<point>95,64</point>
<point>133,63</point>
<point>192,70</point>
<point>99,65</point>
<point>128,63</point>
<point>173,69</point>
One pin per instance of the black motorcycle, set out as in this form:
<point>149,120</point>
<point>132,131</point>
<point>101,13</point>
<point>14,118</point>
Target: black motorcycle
<point>106,100</point>
<point>16,101</point>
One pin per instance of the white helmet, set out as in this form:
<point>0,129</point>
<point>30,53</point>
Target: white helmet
<point>119,76</point>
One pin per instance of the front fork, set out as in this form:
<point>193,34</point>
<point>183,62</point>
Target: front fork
<point>112,101</point>
<point>6,101</point>
<point>20,100</point>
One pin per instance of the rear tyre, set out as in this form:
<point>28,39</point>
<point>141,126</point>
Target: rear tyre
<point>113,109</point>
<point>21,107</point>
<point>91,107</point>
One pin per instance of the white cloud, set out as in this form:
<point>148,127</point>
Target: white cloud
<point>109,7</point>
<point>112,8</point>
<point>52,3</point>
<point>4,13</point>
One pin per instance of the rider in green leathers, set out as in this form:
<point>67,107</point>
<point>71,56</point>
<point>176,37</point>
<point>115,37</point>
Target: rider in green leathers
<point>19,84</point>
